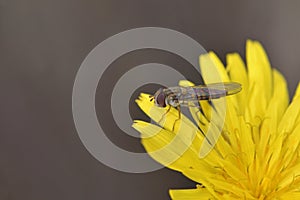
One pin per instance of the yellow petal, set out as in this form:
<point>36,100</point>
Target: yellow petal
<point>177,151</point>
<point>297,93</point>
<point>237,72</point>
<point>217,181</point>
<point>208,120</point>
<point>280,97</point>
<point>246,143</point>
<point>195,111</point>
<point>276,108</point>
<point>291,195</point>
<point>164,146</point>
<point>291,116</point>
<point>259,68</point>
<point>212,69</point>
<point>260,79</point>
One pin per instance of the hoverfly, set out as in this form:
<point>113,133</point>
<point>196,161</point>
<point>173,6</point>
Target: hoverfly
<point>190,96</point>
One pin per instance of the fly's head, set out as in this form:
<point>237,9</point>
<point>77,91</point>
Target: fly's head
<point>164,97</point>
<point>160,98</point>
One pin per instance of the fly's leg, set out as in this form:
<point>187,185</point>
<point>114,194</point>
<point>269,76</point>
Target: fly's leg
<point>179,117</point>
<point>164,115</point>
<point>201,112</point>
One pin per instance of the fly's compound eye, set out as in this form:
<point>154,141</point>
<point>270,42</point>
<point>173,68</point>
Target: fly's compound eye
<point>160,98</point>
<point>172,101</point>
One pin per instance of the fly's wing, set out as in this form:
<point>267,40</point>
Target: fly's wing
<point>229,87</point>
<point>216,90</point>
<point>190,96</point>
<point>186,96</point>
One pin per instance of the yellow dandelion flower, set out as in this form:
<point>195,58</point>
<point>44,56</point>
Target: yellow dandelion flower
<point>257,155</point>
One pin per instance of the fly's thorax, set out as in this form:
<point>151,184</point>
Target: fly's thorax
<point>172,97</point>
<point>172,101</point>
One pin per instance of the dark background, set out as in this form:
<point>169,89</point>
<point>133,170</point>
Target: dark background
<point>42,44</point>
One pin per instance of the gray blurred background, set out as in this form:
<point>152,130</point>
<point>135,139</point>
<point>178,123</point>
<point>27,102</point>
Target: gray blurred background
<point>42,44</point>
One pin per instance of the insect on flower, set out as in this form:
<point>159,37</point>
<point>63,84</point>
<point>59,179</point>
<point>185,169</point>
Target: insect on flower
<point>190,96</point>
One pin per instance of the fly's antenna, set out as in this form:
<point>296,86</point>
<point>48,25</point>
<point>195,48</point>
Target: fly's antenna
<point>151,98</point>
